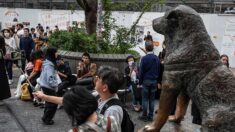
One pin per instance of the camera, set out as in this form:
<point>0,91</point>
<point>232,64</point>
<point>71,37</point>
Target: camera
<point>18,55</point>
<point>133,65</point>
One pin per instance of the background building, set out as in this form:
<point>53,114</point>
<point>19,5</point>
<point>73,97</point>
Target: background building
<point>202,6</point>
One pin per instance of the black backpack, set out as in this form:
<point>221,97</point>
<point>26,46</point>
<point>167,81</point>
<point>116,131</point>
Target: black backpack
<point>127,124</point>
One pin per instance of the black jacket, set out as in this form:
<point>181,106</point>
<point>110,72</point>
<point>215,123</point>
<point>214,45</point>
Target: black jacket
<point>5,89</point>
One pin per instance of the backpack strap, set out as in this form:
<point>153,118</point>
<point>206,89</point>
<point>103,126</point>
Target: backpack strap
<point>111,102</point>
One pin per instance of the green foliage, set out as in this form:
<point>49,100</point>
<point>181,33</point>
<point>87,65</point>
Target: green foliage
<point>74,41</point>
<point>78,41</point>
<point>119,43</point>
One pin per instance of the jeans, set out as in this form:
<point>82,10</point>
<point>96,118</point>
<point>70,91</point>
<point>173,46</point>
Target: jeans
<point>136,94</point>
<point>9,64</point>
<point>148,96</point>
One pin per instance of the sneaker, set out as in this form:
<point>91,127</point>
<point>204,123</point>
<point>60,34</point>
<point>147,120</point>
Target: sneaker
<point>10,82</point>
<point>17,96</point>
<point>143,118</point>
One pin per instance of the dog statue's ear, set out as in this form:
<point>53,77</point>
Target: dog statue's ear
<point>173,19</point>
<point>173,15</point>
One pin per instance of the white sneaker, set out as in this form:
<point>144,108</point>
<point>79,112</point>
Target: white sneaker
<point>10,82</point>
<point>17,96</point>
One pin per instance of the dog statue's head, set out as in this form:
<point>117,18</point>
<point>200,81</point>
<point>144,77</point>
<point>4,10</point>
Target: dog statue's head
<point>182,17</point>
<point>186,38</point>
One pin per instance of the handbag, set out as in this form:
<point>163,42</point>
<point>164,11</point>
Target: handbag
<point>7,56</point>
<point>25,95</point>
<point>17,55</point>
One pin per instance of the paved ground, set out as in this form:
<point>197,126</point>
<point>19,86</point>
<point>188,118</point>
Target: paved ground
<point>20,116</point>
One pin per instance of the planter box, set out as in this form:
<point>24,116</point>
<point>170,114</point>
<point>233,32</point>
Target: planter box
<point>114,60</point>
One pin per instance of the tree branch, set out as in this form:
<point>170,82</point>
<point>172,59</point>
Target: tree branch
<point>86,4</point>
<point>81,4</point>
<point>146,7</point>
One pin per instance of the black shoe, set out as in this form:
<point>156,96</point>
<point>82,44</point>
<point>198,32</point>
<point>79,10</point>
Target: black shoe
<point>143,118</point>
<point>47,122</point>
<point>42,106</point>
<point>150,119</point>
<point>35,103</point>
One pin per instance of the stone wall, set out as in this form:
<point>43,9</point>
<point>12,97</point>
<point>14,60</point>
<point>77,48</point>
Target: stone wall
<point>115,60</point>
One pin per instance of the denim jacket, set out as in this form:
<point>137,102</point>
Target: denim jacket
<point>49,76</point>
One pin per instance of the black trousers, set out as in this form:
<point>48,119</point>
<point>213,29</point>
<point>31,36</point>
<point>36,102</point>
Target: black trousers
<point>50,108</point>
<point>23,61</point>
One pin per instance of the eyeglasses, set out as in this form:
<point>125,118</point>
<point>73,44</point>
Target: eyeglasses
<point>96,78</point>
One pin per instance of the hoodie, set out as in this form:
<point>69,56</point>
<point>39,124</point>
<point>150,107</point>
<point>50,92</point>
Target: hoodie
<point>49,76</point>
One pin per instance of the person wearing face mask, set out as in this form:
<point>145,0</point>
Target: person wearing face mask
<point>224,60</point>
<point>10,46</point>
<point>131,72</point>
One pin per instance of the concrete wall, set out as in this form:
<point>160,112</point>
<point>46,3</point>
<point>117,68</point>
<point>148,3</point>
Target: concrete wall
<point>115,60</point>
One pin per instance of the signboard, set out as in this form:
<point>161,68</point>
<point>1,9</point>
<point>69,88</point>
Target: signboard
<point>62,20</point>
<point>11,17</point>
<point>228,43</point>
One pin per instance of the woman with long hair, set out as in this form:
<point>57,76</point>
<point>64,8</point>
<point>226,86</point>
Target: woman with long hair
<point>10,45</point>
<point>224,60</point>
<point>49,81</point>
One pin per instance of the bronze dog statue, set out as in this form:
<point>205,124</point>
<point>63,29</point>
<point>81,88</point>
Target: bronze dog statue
<point>193,70</point>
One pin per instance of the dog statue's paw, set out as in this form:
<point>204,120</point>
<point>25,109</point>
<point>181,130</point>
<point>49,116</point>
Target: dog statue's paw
<point>150,128</point>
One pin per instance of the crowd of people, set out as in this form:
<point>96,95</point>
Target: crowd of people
<point>52,82</point>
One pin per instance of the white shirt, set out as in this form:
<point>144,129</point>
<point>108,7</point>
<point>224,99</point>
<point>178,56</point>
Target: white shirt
<point>10,45</point>
<point>133,76</point>
<point>20,32</point>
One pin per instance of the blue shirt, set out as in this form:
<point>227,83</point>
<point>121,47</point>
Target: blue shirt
<point>149,68</point>
<point>27,44</point>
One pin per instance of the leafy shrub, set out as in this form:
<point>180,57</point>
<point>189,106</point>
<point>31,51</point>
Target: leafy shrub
<point>74,41</point>
<point>79,41</point>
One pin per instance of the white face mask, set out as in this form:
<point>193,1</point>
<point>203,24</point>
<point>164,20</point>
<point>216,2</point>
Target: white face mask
<point>7,35</point>
<point>130,63</point>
